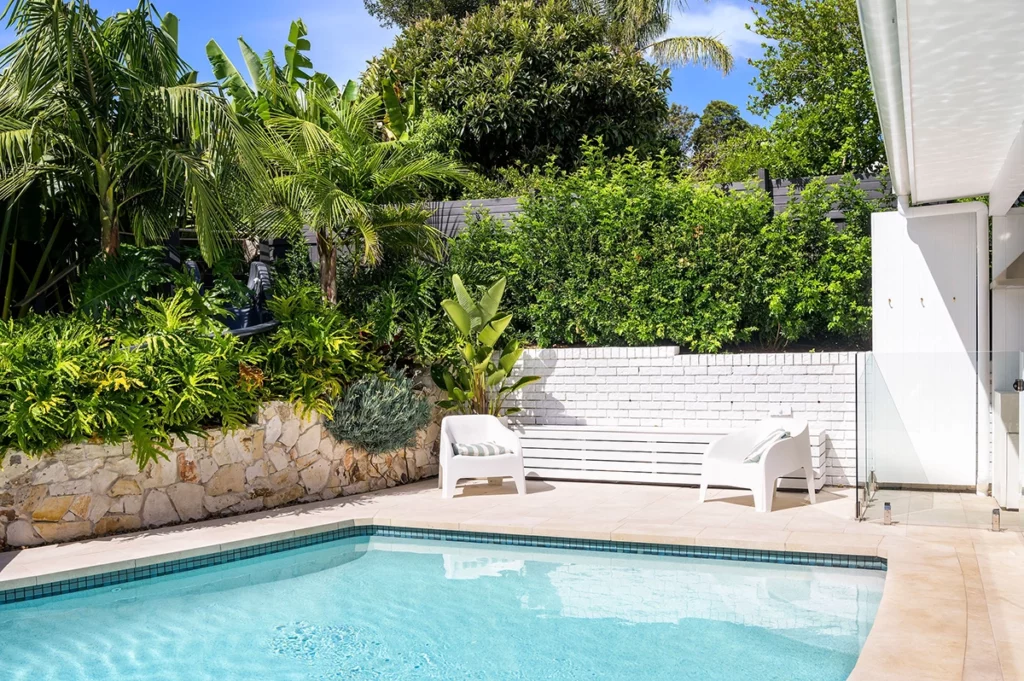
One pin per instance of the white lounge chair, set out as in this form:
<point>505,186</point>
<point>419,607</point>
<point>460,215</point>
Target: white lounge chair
<point>476,430</point>
<point>724,460</point>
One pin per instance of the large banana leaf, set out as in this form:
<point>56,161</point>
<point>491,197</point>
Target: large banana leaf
<point>294,55</point>
<point>257,71</point>
<point>489,334</point>
<point>227,74</point>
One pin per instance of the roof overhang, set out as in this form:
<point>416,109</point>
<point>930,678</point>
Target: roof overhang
<point>948,77</point>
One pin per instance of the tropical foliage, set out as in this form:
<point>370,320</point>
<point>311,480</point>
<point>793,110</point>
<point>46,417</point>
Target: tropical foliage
<point>481,379</point>
<point>102,118</point>
<point>380,413</point>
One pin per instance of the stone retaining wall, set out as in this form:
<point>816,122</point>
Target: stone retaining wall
<point>92,490</point>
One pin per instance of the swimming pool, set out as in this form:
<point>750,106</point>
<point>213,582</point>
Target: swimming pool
<point>374,607</point>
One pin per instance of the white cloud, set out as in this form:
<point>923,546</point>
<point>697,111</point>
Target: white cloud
<point>722,20</point>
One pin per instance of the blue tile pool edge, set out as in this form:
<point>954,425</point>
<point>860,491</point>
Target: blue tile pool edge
<point>608,546</point>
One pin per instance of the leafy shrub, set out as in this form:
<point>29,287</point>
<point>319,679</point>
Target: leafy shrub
<point>315,352</point>
<point>70,379</point>
<point>380,413</point>
<point>624,251</point>
<point>399,301</point>
<point>112,286</point>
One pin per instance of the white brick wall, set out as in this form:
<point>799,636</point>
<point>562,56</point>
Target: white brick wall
<point>658,387</point>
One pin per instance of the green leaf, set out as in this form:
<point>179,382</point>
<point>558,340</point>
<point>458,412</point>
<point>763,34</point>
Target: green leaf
<point>169,23</point>
<point>467,303</point>
<point>257,73</point>
<point>496,377</point>
<point>227,74</point>
<point>508,359</point>
<point>351,92</point>
<point>489,334</point>
<point>396,115</point>
<point>492,300</point>
<point>458,316</point>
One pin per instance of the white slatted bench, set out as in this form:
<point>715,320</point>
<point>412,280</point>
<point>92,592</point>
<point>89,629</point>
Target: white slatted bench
<point>651,455</point>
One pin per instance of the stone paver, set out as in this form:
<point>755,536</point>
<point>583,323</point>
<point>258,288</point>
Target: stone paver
<point>953,606</point>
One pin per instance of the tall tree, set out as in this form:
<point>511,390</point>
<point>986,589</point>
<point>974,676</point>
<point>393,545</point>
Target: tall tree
<point>813,76</point>
<point>336,172</point>
<point>105,112</point>
<point>404,13</point>
<point>719,123</point>
<point>521,81</point>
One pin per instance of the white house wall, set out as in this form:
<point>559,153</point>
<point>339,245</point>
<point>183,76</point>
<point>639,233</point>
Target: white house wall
<point>921,378</point>
<point>1007,304</point>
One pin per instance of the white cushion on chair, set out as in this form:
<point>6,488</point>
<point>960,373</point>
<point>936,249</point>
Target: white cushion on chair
<point>480,449</point>
<point>764,444</point>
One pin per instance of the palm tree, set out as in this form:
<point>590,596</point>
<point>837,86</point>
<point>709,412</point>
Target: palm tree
<point>638,26</point>
<point>337,170</point>
<point>105,112</point>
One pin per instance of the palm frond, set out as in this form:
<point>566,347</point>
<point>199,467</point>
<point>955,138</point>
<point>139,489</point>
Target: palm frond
<point>703,51</point>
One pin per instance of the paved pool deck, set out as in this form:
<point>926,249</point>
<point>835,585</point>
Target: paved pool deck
<point>952,609</point>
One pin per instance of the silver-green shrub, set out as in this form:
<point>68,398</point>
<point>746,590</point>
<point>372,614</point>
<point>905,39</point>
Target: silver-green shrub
<point>380,413</point>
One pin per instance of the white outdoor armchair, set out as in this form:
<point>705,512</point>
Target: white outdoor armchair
<point>724,460</point>
<point>478,429</point>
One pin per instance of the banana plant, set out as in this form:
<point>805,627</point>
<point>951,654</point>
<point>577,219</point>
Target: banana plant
<point>481,381</point>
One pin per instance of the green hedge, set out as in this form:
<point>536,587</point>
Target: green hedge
<point>623,251</point>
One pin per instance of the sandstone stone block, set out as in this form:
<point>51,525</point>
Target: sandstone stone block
<point>226,480</point>
<point>123,466</point>
<point>102,481</point>
<point>20,533</point>
<point>117,523</point>
<point>278,456</point>
<point>26,498</point>
<point>188,500</point>
<point>125,487</point>
<point>99,507</point>
<point>258,470</point>
<point>84,469</point>
<point>161,473</point>
<point>6,499</point>
<point>272,431</point>
<point>55,471</point>
<point>188,470</point>
<point>52,509</point>
<point>309,441</point>
<point>158,510</point>
<point>224,501</point>
<point>131,505</point>
<point>314,477</point>
<point>56,532</point>
<point>307,460</point>
<point>70,487</point>
<point>207,469</point>
<point>247,506</point>
<point>356,488</point>
<point>289,433</point>
<point>285,478</point>
<point>80,506</point>
<point>257,445</point>
<point>285,496</point>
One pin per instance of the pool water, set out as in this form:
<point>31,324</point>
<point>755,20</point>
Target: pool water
<point>381,608</point>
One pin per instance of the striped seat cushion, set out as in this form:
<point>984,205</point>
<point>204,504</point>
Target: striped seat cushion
<point>480,449</point>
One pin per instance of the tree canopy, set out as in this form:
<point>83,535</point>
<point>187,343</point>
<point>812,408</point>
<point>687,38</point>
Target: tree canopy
<point>814,78</point>
<point>522,81</point>
<point>719,123</point>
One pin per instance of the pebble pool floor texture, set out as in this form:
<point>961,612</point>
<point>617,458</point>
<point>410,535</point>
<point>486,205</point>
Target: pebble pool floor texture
<point>402,609</point>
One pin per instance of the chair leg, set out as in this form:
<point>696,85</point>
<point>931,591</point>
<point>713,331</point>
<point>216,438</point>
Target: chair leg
<point>520,480</point>
<point>448,491</point>
<point>703,490</point>
<point>759,495</point>
<point>809,474</point>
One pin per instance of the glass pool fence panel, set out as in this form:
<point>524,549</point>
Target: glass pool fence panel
<point>918,438</point>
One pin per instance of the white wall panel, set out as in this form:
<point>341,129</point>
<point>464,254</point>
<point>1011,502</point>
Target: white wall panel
<point>1007,304</point>
<point>921,381</point>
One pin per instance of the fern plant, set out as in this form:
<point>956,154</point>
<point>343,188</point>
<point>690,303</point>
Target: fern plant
<point>380,413</point>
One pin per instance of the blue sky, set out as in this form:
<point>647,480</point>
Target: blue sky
<point>344,37</point>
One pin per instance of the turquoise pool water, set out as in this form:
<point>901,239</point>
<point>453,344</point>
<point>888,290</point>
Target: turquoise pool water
<point>382,608</point>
